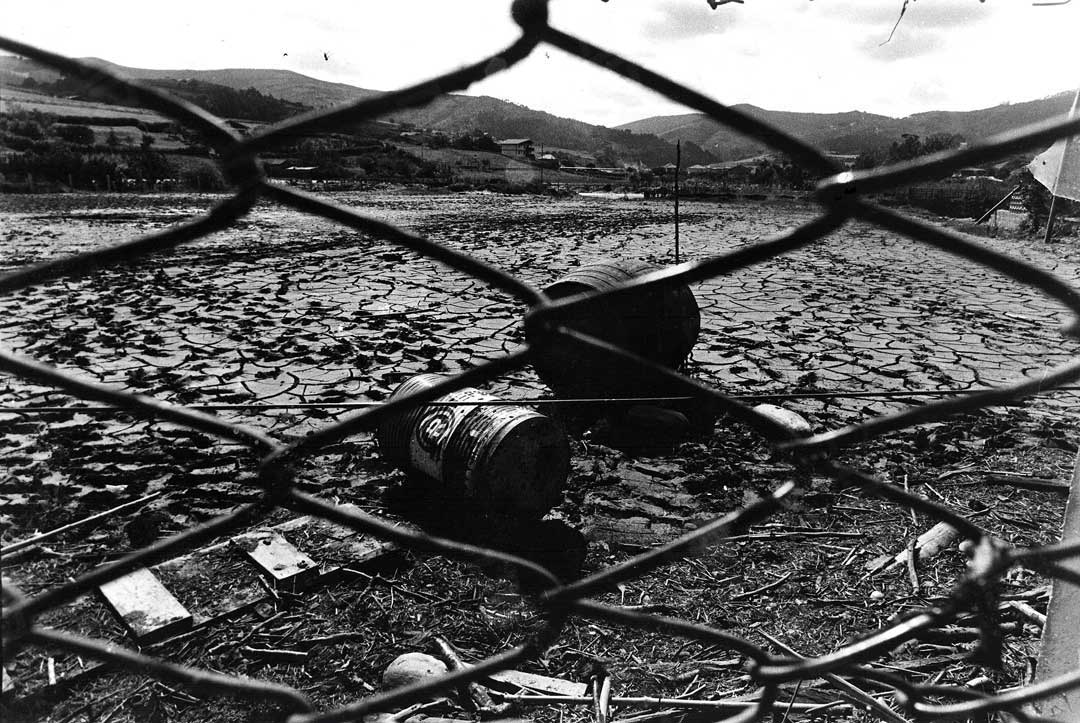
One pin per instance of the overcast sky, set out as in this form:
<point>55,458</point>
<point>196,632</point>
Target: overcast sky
<point>800,55</point>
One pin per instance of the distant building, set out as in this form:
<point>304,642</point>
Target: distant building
<point>517,148</point>
<point>845,160</point>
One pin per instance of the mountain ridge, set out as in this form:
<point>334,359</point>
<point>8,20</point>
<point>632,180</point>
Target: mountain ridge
<point>648,140</point>
<point>849,132</point>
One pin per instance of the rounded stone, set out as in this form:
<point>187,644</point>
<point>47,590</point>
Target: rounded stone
<point>411,668</point>
<point>789,420</point>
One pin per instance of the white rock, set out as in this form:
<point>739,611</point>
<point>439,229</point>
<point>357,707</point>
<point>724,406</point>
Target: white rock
<point>786,418</point>
<point>412,668</point>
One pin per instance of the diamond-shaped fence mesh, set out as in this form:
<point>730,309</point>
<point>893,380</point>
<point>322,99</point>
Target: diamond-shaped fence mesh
<point>842,197</point>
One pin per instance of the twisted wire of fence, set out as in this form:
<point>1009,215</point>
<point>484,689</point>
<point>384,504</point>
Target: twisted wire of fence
<point>842,197</point>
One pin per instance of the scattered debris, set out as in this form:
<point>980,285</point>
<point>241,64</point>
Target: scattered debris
<point>847,689</point>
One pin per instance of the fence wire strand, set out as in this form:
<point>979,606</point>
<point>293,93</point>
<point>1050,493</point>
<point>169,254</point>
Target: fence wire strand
<point>842,198</point>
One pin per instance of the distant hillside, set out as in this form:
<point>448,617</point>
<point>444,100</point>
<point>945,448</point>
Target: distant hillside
<point>283,84</point>
<point>450,113</point>
<point>462,114</point>
<point>851,132</point>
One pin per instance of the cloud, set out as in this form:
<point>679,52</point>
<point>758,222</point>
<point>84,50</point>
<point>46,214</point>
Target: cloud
<point>909,45</point>
<point>928,14</point>
<point>679,22</point>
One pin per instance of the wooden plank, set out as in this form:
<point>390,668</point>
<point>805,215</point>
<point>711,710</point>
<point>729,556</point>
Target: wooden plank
<point>287,568</point>
<point>1060,652</point>
<point>213,582</point>
<point>145,606</point>
<point>539,683</point>
<point>9,683</point>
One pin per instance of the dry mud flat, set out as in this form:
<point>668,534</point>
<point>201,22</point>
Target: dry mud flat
<point>288,309</point>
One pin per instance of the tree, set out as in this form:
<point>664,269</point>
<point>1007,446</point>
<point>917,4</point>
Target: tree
<point>606,158</point>
<point>1035,199</point>
<point>111,140</point>
<point>908,148</point>
<point>78,134</point>
<point>942,142</point>
<point>150,166</point>
<point>866,160</point>
<point>203,178</point>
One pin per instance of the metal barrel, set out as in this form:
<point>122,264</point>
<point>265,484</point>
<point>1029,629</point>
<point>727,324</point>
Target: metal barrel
<point>507,460</point>
<point>660,324</point>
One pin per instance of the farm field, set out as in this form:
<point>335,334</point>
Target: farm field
<point>16,98</point>
<point>286,309</point>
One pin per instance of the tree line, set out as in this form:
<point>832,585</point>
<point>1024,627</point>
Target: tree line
<point>54,155</point>
<point>220,100</point>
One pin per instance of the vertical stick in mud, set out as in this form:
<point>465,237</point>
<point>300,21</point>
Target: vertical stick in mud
<point>678,165</point>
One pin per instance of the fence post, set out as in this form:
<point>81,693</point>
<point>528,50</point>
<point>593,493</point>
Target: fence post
<point>1060,652</point>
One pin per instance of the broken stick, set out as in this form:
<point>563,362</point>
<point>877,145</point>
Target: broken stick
<point>928,544</point>
<point>22,544</point>
<point>846,688</point>
<point>477,695</point>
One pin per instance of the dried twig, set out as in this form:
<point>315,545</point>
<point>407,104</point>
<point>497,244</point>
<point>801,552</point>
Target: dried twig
<point>846,688</point>
<point>476,693</point>
<point>124,702</point>
<point>913,574</point>
<point>126,507</point>
<point>94,702</point>
<point>731,706</point>
<point>1027,611</point>
<point>775,583</point>
<point>256,628</point>
<point>1031,483</point>
<point>273,655</point>
<point>601,693</point>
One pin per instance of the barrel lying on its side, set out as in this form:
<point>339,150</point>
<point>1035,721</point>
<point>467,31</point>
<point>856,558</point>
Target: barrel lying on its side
<point>660,325</point>
<point>506,460</point>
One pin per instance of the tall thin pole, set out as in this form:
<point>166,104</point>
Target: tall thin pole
<point>678,165</point>
<point>1057,178</point>
<point>1050,219</point>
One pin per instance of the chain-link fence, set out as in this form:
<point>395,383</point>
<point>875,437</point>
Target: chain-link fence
<point>842,197</point>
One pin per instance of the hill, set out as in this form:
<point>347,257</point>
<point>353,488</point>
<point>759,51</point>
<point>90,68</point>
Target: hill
<point>852,132</point>
<point>448,113</point>
<point>462,114</point>
<point>283,84</point>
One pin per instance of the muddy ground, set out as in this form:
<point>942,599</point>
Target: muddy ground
<point>289,309</point>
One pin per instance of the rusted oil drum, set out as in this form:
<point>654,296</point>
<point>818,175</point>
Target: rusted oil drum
<point>660,324</point>
<point>507,460</point>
